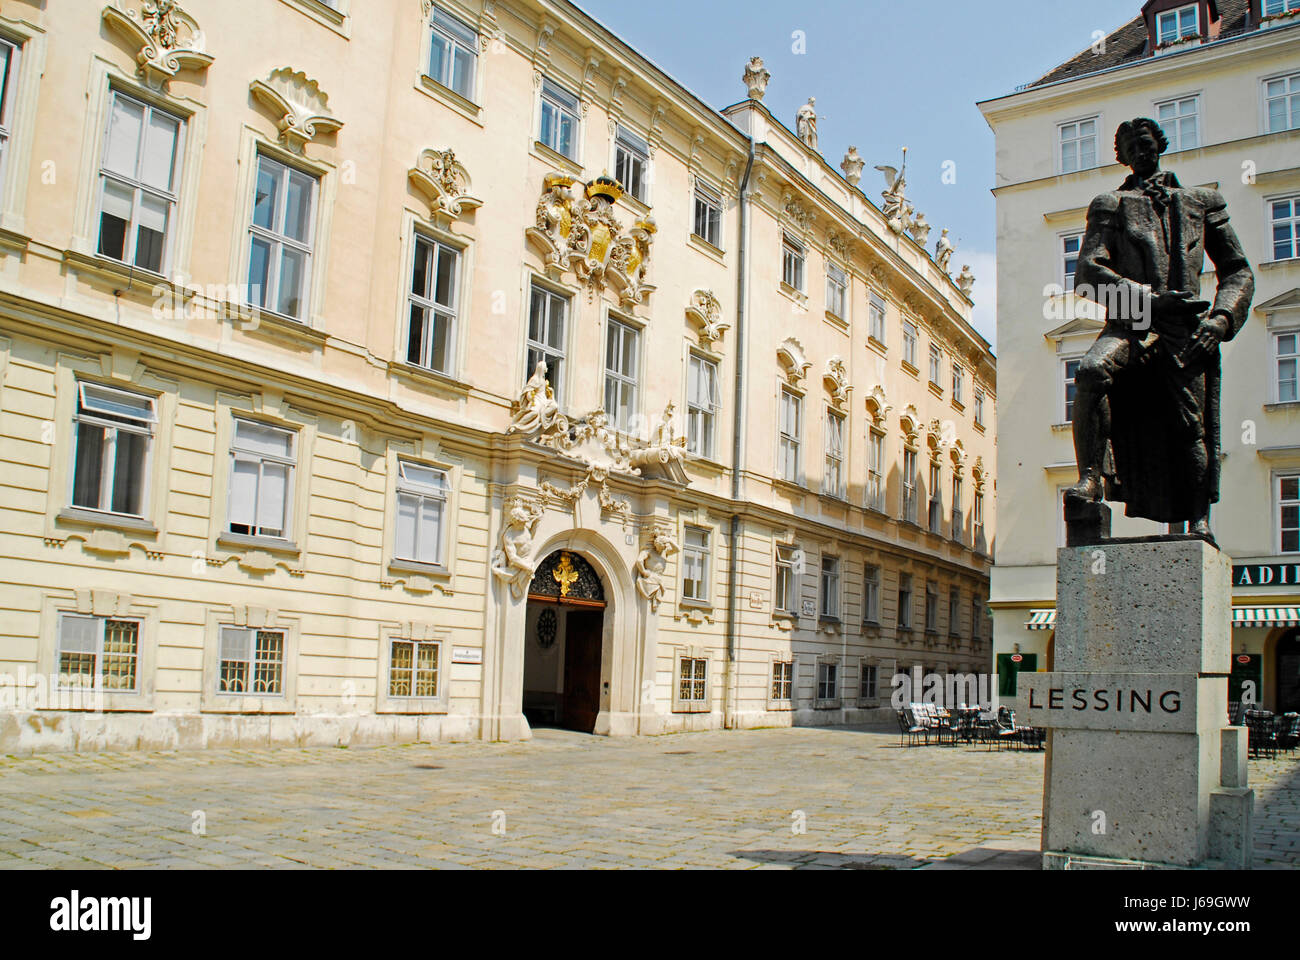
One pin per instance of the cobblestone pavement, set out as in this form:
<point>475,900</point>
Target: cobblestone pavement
<point>706,800</point>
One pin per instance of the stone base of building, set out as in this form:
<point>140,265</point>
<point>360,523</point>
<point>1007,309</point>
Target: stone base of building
<point>1053,860</point>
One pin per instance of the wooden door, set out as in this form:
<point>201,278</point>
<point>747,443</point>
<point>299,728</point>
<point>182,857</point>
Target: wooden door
<point>582,643</point>
<point>1288,674</point>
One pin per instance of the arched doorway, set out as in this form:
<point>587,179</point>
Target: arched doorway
<point>563,640</point>
<point>1288,672</point>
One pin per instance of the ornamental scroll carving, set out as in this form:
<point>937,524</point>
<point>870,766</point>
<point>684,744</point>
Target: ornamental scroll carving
<point>444,183</point>
<point>705,312</point>
<point>168,40</point>
<point>300,106</point>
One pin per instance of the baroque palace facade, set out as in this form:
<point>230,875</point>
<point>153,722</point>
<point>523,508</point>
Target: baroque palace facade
<point>414,371</point>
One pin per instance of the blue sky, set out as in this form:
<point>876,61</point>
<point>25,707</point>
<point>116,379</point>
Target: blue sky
<point>886,74</point>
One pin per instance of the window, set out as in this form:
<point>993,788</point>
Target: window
<point>1282,103</point>
<point>138,183</point>
<point>454,57</point>
<point>905,601</point>
<point>871,594</point>
<point>979,406</point>
<point>867,682</point>
<point>413,670</point>
<point>546,318</point>
<point>792,263</point>
<point>791,431</point>
<point>98,652</point>
<point>958,384</point>
<point>251,662</point>
<point>1285,216</point>
<point>954,612</point>
<point>632,164</point>
<point>974,620</point>
<point>1273,8</point>
<point>1070,372</point>
<point>261,476</point>
<point>622,361</point>
<point>837,286</point>
<point>958,518</point>
<point>909,344</point>
<point>931,608</point>
<point>279,264</point>
<point>695,565</point>
<point>1181,121</point>
<point>936,361</point>
<point>827,686</point>
<point>708,214</point>
<point>1288,489</point>
<point>432,335</point>
<point>1078,145</point>
<point>8,88</point>
<point>833,481</point>
<point>830,588</point>
<point>110,466</point>
<point>978,518</point>
<point>701,405</point>
<point>559,120</point>
<point>1288,360</point>
<point>782,680</point>
<point>1070,247</point>
<point>421,512</point>
<point>909,485</point>
<point>876,471</point>
<point>692,680</point>
<point>876,316</point>
<point>1175,25</point>
<point>785,591</point>
<point>936,500</point>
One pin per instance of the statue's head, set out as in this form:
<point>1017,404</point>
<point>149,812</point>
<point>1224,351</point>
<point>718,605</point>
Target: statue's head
<point>1139,144</point>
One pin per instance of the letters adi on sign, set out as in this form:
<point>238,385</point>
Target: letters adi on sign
<point>466,655</point>
<point>1266,575</point>
<point>1143,703</point>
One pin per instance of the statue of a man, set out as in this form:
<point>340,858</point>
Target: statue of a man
<point>650,567</point>
<point>806,123</point>
<point>1146,408</point>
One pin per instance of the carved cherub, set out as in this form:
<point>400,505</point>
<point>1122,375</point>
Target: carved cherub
<point>650,568</point>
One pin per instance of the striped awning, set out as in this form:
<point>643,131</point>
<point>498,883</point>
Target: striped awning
<point>1041,620</point>
<point>1265,617</point>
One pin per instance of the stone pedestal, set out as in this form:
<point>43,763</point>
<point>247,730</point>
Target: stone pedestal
<point>1141,769</point>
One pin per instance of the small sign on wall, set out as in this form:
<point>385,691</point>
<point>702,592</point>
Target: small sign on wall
<point>809,609</point>
<point>756,601</point>
<point>466,655</point>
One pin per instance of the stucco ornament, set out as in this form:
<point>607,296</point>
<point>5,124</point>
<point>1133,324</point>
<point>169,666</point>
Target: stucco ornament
<point>536,410</point>
<point>651,566</point>
<point>795,361</point>
<point>943,252</point>
<point>805,123</point>
<point>578,232</point>
<point>513,562</point>
<point>853,165</point>
<point>301,107</point>
<point>897,209</point>
<point>966,281</point>
<point>705,312</point>
<point>756,78</point>
<point>444,182</point>
<point>168,38</point>
<point>836,379</point>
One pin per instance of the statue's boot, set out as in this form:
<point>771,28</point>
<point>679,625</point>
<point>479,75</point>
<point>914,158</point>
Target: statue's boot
<point>1090,488</point>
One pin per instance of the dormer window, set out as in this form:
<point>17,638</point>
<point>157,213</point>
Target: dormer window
<point>1180,24</point>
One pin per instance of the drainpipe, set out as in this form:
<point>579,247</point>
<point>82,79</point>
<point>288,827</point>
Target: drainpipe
<point>737,450</point>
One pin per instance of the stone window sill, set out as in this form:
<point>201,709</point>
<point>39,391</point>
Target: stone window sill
<point>826,705</point>
<point>911,369</point>
<point>415,708</point>
<point>430,378</point>
<point>690,708</point>
<point>876,345</point>
<point>552,156</point>
<point>414,566</point>
<point>277,324</point>
<point>780,706</point>
<point>839,323</point>
<point>1062,427</point>
<point>111,269</point>
<point>323,14</point>
<point>936,389</point>
<point>466,108</point>
<point>107,521</point>
<point>1282,406</point>
<point>794,293</point>
<point>707,248</point>
<point>242,541</point>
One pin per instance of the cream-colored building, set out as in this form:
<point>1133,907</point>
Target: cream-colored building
<point>422,371</point>
<point>1227,94</point>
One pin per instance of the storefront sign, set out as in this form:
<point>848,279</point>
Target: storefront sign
<point>1266,575</point>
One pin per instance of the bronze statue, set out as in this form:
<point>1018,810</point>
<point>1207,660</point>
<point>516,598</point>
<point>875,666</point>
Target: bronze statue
<point>1146,408</point>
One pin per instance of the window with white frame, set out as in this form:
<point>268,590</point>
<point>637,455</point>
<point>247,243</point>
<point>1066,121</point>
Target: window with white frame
<point>867,680</point>
<point>702,404</point>
<point>632,164</point>
<point>1071,244</point>
<point>833,480</point>
<point>251,662</point>
<point>1274,8</point>
<point>827,681</point>
<point>1288,511</point>
<point>909,343</point>
<point>138,183</point>
<point>431,338</point>
<point>622,363</point>
<point>9,54</point>
<point>931,608</point>
<point>281,239</point>
<point>958,517</point>
<point>783,680</point>
<point>453,59</point>
<point>954,612</point>
<point>785,581</point>
<point>876,471</point>
<point>695,565</point>
<point>977,517</point>
<point>791,425</point>
<point>1282,103</point>
<point>793,262</point>
<point>1287,346</point>
<point>905,601</point>
<point>1284,216</point>
<point>936,499</point>
<point>708,213</point>
<point>837,290</point>
<point>958,384</point>
<point>547,312</point>
<point>876,315</point>
<point>830,588</point>
<point>261,479</point>
<point>114,430</point>
<point>936,363</point>
<point>1175,25</point>
<point>1181,121</point>
<point>1069,373</point>
<point>692,680</point>
<point>979,406</point>
<point>98,652</point>
<point>559,120</point>
<point>871,594</point>
<point>1078,145</point>
<point>909,485</point>
<point>421,513</point>
<point>413,669</point>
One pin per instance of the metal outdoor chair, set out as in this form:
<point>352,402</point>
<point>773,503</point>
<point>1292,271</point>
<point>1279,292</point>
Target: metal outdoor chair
<point>1288,733</point>
<point>1263,739</point>
<point>909,731</point>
